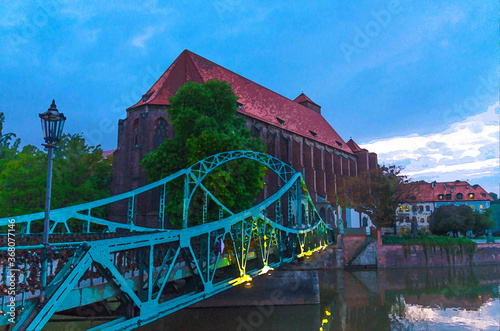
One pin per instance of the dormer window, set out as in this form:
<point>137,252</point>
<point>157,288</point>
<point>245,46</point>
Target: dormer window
<point>239,106</point>
<point>440,196</point>
<point>146,96</point>
<point>471,196</point>
<point>314,134</point>
<point>448,196</point>
<point>282,121</point>
<point>460,196</point>
<point>338,143</point>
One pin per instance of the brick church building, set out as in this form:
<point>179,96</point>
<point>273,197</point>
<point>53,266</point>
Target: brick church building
<point>294,131</point>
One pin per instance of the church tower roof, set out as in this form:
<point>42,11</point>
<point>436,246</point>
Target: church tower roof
<point>256,101</point>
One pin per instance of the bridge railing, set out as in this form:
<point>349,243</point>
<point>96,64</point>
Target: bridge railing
<point>160,272</point>
<point>193,180</point>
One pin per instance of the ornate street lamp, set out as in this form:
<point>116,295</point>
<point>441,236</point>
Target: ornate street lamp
<point>52,126</point>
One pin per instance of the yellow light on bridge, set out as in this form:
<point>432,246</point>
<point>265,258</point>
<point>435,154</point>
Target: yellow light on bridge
<point>266,270</point>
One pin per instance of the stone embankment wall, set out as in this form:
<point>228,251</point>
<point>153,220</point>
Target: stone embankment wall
<point>368,257</point>
<point>352,243</point>
<point>394,256</point>
<point>390,256</point>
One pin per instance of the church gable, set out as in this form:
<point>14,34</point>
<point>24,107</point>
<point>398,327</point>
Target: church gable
<point>255,100</point>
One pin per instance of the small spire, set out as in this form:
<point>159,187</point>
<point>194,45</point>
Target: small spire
<point>53,105</point>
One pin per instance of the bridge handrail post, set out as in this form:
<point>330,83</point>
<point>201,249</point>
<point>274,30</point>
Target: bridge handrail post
<point>185,207</point>
<point>299,205</point>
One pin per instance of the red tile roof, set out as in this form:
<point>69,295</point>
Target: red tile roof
<point>303,98</point>
<point>258,102</point>
<point>105,154</point>
<point>353,146</point>
<point>428,192</point>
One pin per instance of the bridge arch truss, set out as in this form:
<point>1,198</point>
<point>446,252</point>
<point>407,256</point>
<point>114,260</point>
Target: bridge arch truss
<point>142,269</point>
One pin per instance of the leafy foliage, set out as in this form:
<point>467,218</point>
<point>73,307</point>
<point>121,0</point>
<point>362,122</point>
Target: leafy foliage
<point>377,193</point>
<point>80,172</point>
<point>446,219</point>
<point>79,175</point>
<point>483,221</point>
<point>8,148</point>
<point>460,219</point>
<point>205,120</point>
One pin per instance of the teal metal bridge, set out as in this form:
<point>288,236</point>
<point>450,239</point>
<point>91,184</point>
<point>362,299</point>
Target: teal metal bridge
<point>152,272</point>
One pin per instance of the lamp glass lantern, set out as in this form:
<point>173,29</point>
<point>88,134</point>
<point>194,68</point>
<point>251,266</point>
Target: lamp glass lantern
<point>52,124</point>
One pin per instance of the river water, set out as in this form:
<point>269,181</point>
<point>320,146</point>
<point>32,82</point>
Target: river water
<point>394,299</point>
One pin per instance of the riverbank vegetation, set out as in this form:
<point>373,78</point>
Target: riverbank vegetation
<point>451,247</point>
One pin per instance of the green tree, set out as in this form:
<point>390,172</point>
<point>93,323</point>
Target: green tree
<point>80,172</point>
<point>8,146</point>
<point>22,182</point>
<point>460,220</point>
<point>377,193</point>
<point>468,219</point>
<point>494,196</point>
<point>446,219</point>
<point>205,121</point>
<point>495,214</point>
<point>79,175</point>
<point>483,221</point>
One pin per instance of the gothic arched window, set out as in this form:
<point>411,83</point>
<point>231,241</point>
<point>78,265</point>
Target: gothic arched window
<point>160,132</point>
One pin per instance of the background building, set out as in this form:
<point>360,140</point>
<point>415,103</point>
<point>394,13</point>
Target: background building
<point>294,131</point>
<point>495,205</point>
<point>429,196</point>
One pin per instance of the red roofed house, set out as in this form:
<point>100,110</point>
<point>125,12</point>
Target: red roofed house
<point>294,130</point>
<point>105,154</point>
<point>429,196</point>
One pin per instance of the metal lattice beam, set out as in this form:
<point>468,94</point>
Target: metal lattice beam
<point>249,242</point>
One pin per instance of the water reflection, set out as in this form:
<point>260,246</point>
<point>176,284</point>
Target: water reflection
<point>395,299</point>
<point>412,299</point>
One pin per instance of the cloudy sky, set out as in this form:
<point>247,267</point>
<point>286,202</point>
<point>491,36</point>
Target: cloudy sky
<point>415,81</point>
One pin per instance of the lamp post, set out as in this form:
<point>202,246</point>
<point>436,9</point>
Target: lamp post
<point>52,126</point>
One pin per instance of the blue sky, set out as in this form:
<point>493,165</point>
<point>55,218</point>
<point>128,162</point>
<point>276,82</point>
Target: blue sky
<point>389,74</point>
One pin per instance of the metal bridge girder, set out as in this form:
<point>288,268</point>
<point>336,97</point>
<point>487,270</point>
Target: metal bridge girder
<point>273,236</point>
